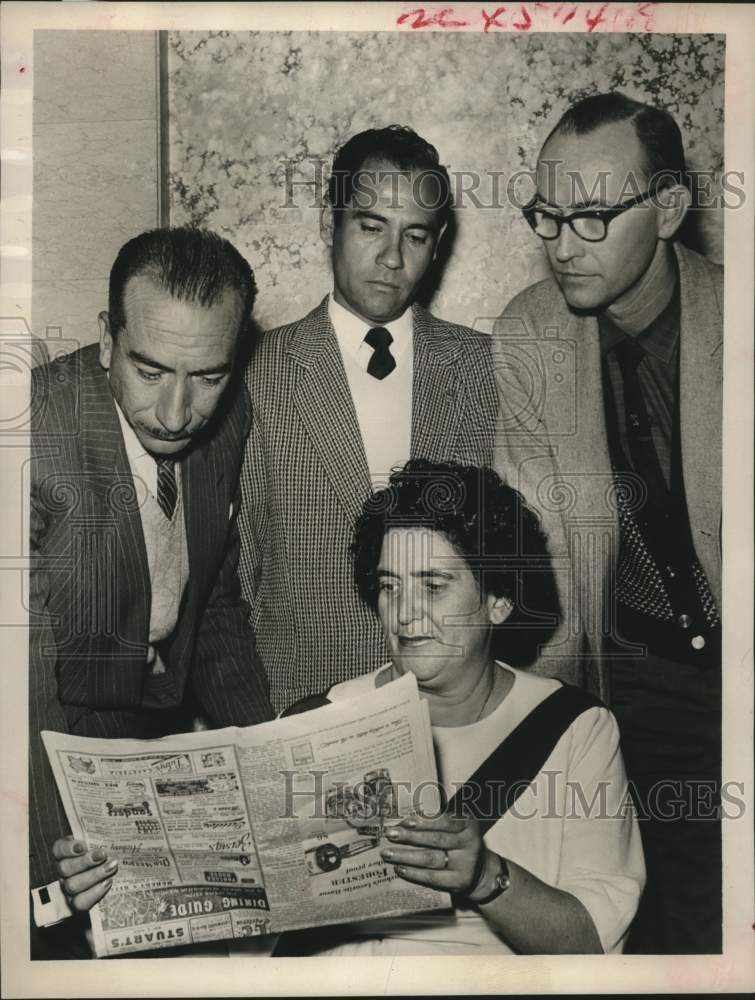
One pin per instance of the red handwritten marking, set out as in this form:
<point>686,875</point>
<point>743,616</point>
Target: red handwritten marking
<point>647,14</point>
<point>523,25</point>
<point>440,19</point>
<point>22,70</point>
<point>622,17</point>
<point>593,22</point>
<point>491,20</point>
<point>420,22</point>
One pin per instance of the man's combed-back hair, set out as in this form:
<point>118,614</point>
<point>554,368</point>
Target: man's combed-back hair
<point>396,146</point>
<point>192,265</point>
<point>486,521</point>
<point>656,130</point>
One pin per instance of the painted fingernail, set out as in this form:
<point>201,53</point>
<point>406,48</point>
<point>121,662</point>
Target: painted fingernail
<point>392,834</point>
<point>111,866</point>
<point>388,853</point>
<point>106,885</point>
<point>400,870</point>
<point>78,847</point>
<point>411,823</point>
<point>98,854</point>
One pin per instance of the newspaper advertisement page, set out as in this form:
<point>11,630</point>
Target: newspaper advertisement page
<point>234,833</point>
<point>325,793</point>
<point>173,812</point>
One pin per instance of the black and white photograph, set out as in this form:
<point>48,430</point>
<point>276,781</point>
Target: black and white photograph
<point>376,429</point>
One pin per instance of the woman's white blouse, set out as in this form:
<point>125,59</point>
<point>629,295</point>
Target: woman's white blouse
<point>573,827</point>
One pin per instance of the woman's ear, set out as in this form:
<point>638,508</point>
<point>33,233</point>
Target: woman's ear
<point>499,609</point>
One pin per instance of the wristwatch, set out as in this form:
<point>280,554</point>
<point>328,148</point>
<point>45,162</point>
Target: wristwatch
<point>502,882</point>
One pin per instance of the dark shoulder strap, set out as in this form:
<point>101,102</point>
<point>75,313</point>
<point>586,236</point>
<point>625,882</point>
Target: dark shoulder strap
<point>515,763</point>
<point>305,704</point>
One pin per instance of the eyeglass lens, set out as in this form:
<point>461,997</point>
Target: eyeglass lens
<point>588,227</point>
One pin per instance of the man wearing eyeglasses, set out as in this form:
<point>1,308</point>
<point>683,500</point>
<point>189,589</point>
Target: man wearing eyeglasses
<point>626,468</point>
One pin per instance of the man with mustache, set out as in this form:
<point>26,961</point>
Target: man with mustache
<point>632,451</point>
<point>365,381</point>
<point>136,615</point>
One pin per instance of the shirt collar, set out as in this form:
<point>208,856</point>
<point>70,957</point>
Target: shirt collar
<point>351,330</point>
<point>134,448</point>
<point>659,339</point>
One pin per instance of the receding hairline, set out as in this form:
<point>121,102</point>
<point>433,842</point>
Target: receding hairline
<point>149,274</point>
<point>640,166</point>
<point>153,277</point>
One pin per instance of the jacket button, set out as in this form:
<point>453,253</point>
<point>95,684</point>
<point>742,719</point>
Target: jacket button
<point>698,642</point>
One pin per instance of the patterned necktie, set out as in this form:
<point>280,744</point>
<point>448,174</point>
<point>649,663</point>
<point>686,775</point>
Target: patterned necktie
<point>382,361</point>
<point>167,489</point>
<point>638,427</point>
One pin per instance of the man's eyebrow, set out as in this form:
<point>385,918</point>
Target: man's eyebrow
<point>151,363</point>
<point>364,214</point>
<point>420,574</point>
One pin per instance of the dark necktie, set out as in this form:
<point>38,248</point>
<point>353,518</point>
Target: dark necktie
<point>638,426</point>
<point>382,361</point>
<point>167,489</point>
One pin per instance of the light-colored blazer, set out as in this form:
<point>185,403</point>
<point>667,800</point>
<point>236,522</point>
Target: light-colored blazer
<point>305,478</point>
<point>551,442</point>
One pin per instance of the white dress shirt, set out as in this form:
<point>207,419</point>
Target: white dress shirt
<point>383,406</point>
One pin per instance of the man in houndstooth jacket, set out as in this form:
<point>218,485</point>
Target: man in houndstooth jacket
<point>363,382</point>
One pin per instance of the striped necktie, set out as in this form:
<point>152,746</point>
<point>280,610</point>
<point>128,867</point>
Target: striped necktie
<point>167,488</point>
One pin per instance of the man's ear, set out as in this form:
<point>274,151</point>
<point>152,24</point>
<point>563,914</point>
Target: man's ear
<point>106,340</point>
<point>499,609</point>
<point>326,225</point>
<point>674,203</point>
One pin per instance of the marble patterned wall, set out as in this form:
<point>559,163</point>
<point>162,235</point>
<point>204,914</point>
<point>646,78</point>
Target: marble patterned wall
<point>244,105</point>
<point>96,171</point>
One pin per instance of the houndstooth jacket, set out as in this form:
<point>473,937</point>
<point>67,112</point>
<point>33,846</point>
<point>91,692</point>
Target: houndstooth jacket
<point>305,478</point>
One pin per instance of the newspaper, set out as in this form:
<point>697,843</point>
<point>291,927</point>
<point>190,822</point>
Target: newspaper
<point>231,833</point>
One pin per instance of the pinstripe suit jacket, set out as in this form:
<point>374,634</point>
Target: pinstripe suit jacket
<point>305,478</point>
<point>90,586</point>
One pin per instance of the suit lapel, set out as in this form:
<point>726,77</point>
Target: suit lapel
<point>201,476</point>
<point>322,398</point>
<point>583,459</point>
<point>437,397</point>
<point>701,406</point>
<point>112,504</point>
<point>108,475</point>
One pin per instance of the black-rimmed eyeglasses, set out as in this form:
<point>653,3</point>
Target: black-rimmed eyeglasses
<point>589,224</point>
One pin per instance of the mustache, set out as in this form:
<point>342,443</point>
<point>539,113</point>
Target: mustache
<point>163,435</point>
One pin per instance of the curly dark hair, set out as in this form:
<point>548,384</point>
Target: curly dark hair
<point>488,523</point>
<point>398,146</point>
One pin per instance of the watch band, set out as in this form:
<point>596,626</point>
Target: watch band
<point>502,882</point>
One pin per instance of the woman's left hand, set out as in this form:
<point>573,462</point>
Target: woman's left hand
<point>443,852</point>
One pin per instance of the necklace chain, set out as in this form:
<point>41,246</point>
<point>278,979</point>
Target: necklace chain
<point>394,676</point>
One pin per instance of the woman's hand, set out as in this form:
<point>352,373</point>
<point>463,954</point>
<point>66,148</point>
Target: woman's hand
<point>85,876</point>
<point>444,852</point>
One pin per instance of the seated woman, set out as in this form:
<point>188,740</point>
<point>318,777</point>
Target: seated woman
<point>450,558</point>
